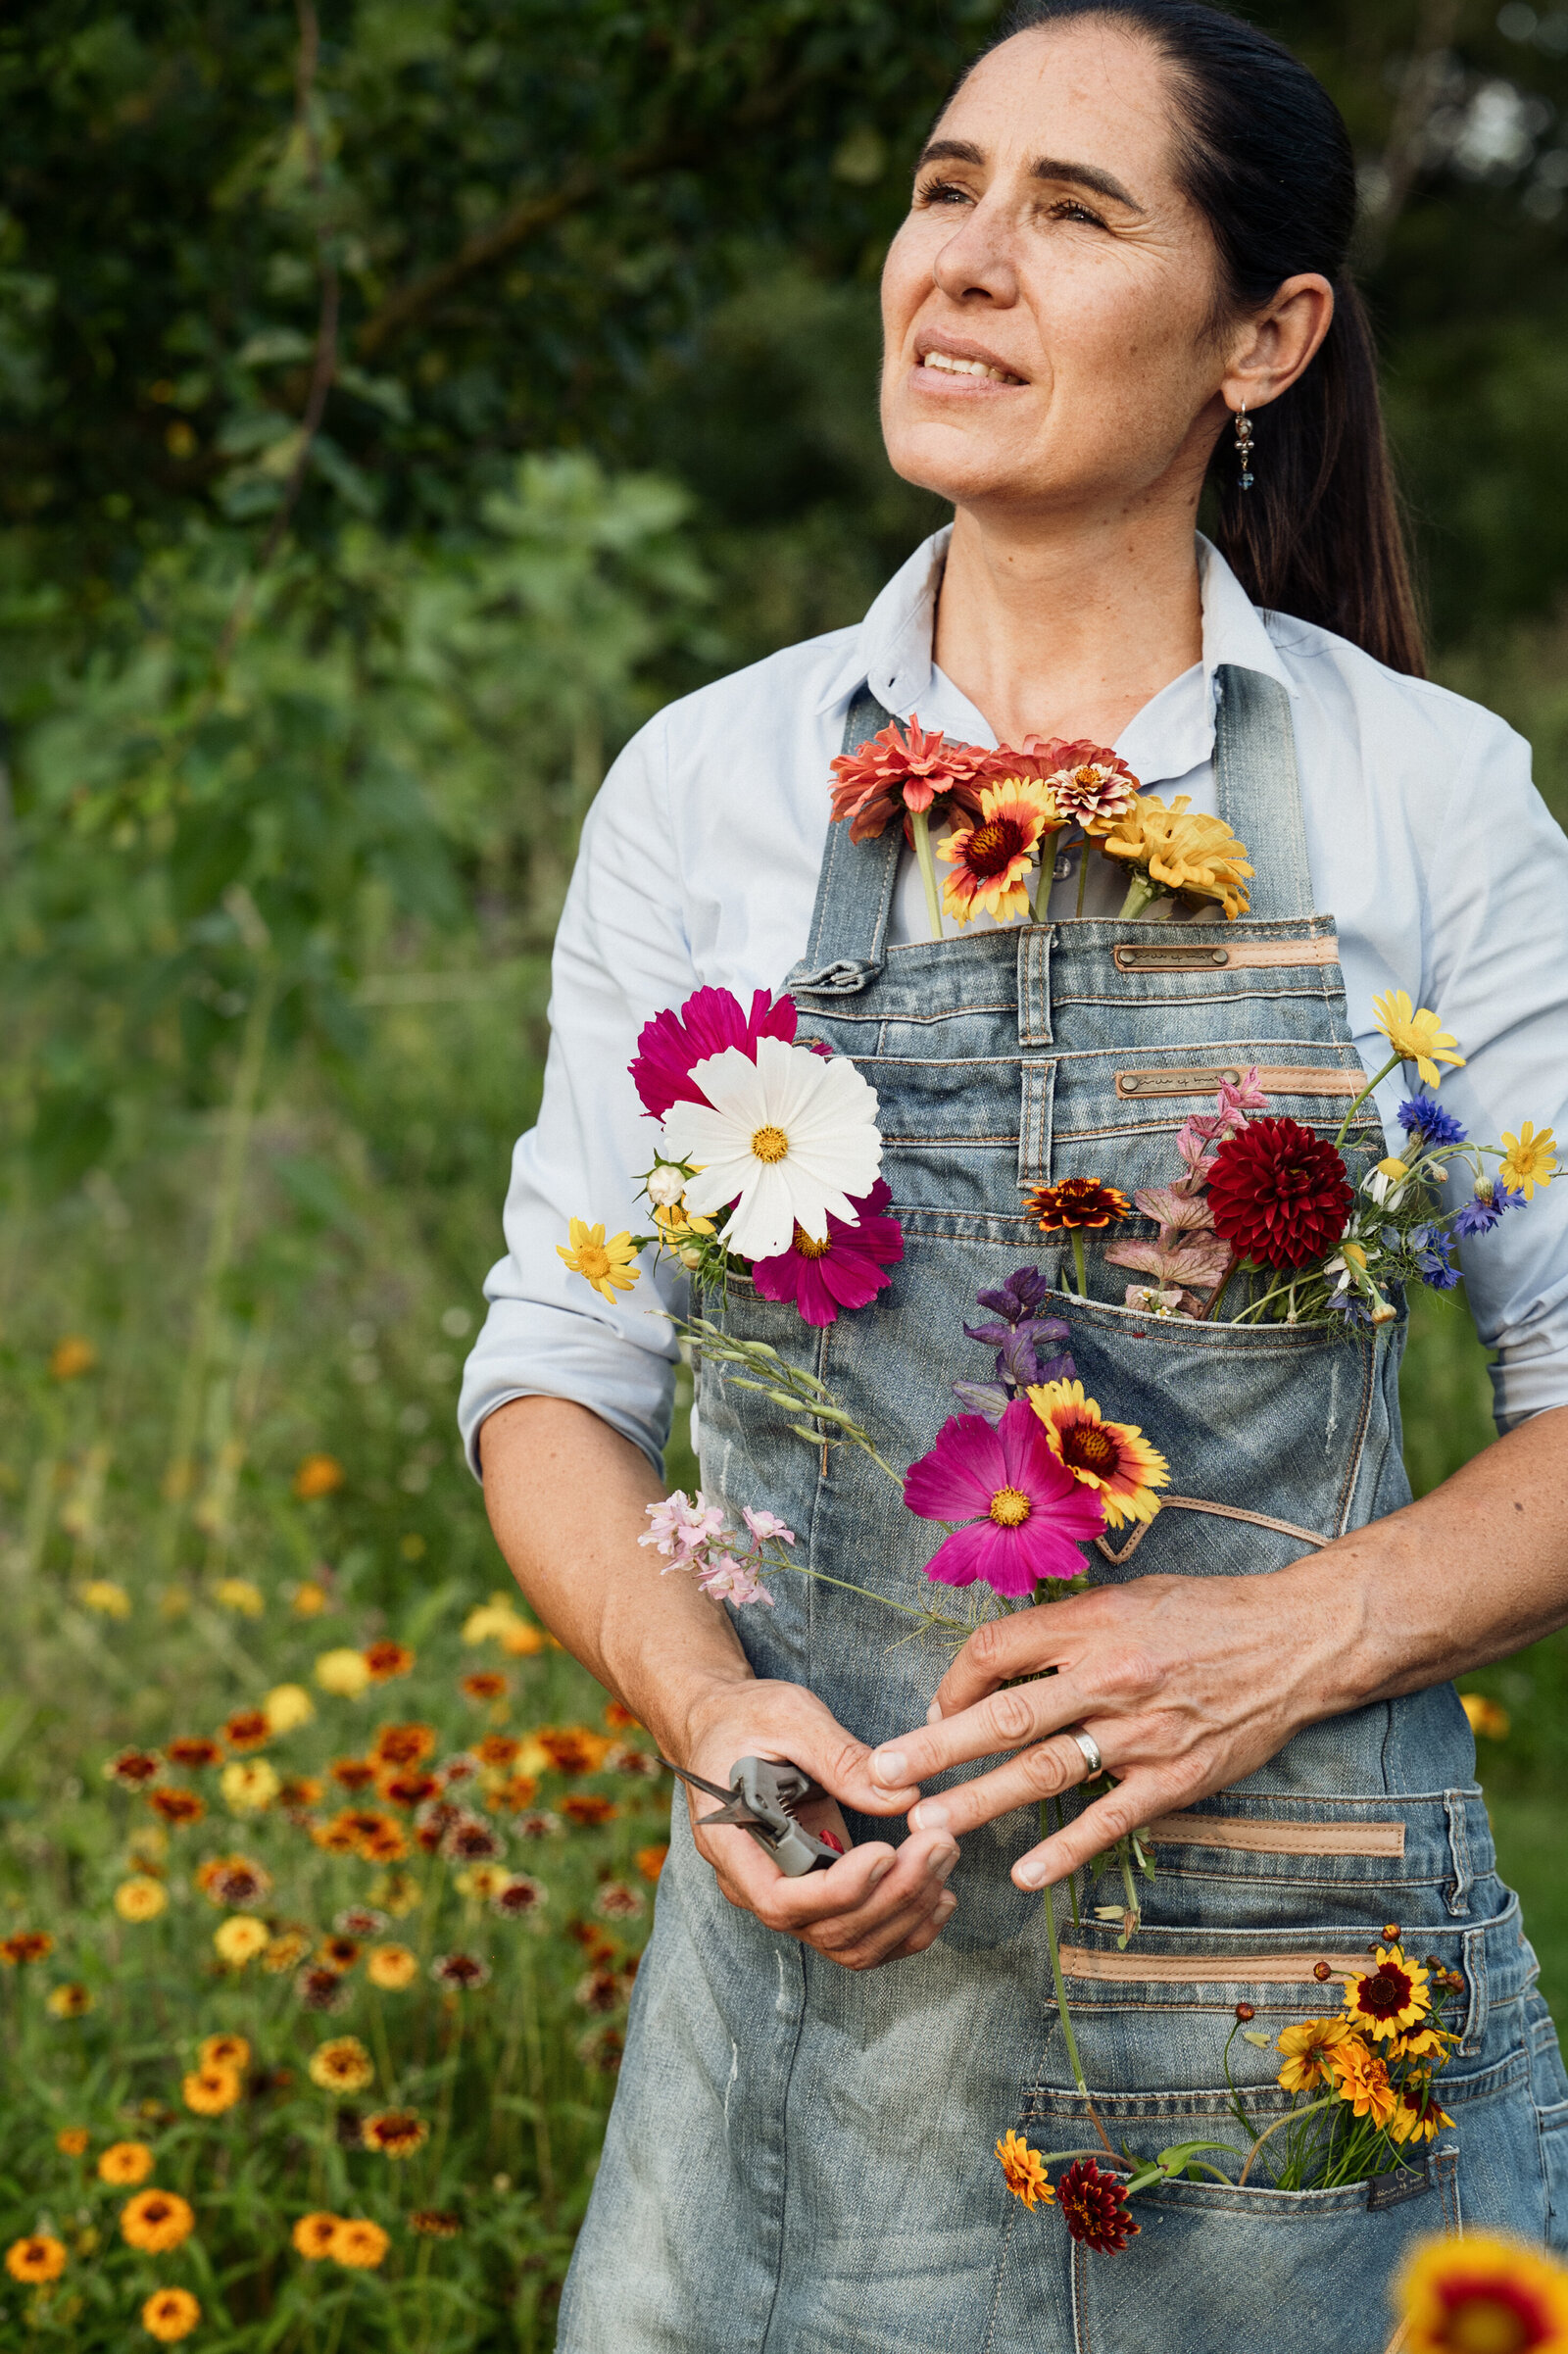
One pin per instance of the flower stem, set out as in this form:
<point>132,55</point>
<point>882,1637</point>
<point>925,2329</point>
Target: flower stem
<point>1140,891</point>
<point>920,828</point>
<point>1048,1896</point>
<point>1356,1101</point>
<point>1078,1261</point>
<point>1083,873</point>
<point>1290,2116</point>
<point>1219,1291</point>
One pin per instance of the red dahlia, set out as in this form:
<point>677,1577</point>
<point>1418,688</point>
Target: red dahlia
<point>1279,1194</point>
<point>1095,2208</point>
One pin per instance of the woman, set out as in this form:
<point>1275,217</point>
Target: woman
<point>1128,231</point>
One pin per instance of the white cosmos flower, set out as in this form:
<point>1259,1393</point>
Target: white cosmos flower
<point>786,1139</point>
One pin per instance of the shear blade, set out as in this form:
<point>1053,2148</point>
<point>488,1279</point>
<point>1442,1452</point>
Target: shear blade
<point>738,1812</point>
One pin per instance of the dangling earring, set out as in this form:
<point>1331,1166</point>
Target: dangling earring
<point>1243,446</point>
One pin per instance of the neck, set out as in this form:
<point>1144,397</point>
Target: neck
<point>1067,629</point>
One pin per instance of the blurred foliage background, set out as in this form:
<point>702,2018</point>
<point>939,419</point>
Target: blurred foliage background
<point>399,400</point>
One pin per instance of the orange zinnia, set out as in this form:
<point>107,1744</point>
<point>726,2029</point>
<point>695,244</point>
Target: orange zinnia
<point>156,2220</point>
<point>387,1659</point>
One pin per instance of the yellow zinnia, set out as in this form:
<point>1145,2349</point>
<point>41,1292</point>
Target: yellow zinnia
<point>240,1940</point>
<point>156,2220</point>
<point>240,1593</point>
<point>1416,1035</point>
<point>343,1673</point>
<point>209,2092</point>
<point>108,1599</point>
<point>608,1266</point>
<point>286,1707</point>
<point>1481,2291</point>
<point>249,1785</point>
<point>1183,850</point>
<point>1531,1159</point>
<point>125,2164</point>
<point>140,1898</point>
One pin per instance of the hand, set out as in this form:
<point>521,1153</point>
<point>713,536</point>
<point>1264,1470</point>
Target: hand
<point>1187,1685</point>
<point>881,1903</point>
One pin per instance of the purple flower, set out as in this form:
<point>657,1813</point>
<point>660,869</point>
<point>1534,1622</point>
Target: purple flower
<point>1425,1118</point>
<point>1434,1257</point>
<point>988,1399</point>
<point>1479,1214</point>
<point>844,1272</point>
<point>711,1019</point>
<point>1018,1296</point>
<point>1025,1514</point>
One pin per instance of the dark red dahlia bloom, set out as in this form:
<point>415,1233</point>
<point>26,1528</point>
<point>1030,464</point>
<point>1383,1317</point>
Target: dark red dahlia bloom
<point>1279,1194</point>
<point>1095,2208</point>
<point>711,1019</point>
<point>844,1271</point>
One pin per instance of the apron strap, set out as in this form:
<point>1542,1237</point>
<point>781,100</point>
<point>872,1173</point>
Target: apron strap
<point>855,888</point>
<point>1258,790</point>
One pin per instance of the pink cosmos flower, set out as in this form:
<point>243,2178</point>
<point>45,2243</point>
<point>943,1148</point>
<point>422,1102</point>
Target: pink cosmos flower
<point>844,1271</point>
<point>670,1045</point>
<point>1026,1515</point>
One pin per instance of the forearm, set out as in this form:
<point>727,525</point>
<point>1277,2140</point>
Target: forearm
<point>567,1498</point>
<point>1468,1573</point>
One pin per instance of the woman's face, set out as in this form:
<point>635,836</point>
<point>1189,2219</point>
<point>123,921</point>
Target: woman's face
<point>1048,305</point>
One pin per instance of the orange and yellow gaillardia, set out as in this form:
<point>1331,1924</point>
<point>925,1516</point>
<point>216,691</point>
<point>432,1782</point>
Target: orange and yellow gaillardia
<point>993,856</point>
<point>1115,1459</point>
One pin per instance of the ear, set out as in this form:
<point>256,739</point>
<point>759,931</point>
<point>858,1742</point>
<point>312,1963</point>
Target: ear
<point>1273,347</point>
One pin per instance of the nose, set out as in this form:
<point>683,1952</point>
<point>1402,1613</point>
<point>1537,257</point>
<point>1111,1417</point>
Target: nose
<point>977,260</point>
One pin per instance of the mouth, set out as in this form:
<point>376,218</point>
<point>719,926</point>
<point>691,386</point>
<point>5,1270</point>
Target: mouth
<point>961,364</point>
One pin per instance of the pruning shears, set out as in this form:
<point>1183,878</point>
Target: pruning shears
<point>763,1796</point>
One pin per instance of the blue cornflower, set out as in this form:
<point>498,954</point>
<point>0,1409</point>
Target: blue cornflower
<point>1479,1214</point>
<point>1425,1118</point>
<point>1433,1257</point>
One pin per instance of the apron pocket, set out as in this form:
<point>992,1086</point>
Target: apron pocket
<point>1217,2270</point>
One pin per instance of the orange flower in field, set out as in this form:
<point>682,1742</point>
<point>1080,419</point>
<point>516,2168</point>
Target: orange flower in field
<point>194,1750</point>
<point>392,1967</point>
<point>395,2133</point>
<point>496,1749</point>
<point>289,1947</point>
<point>209,2092</point>
<point>169,2314</point>
<point>297,1792</point>
<point>235,1881</point>
<point>338,1953</point>
<point>586,1808</point>
<point>338,1836</point>
<point>519,1640</point>
<point>178,1806</point>
<point>574,1749</point>
<point>650,1861</point>
<point>319,1475</point>
<point>133,1767</point>
<point>517,1791</point>
<point>484,1685</point>
<point>352,1773</point>
<point>387,1659</point>
<point>248,1728</point>
<point>406,1785</point>
<point>71,1357</point>
<point>403,1744</point>
<point>156,2220</point>
<point>341,2065</point>
<point>125,2164</point>
<point>435,2223</point>
<point>37,2258</point>
<point>25,1946</point>
<point>359,2243</point>
<point>313,2235</point>
<point>71,2141</point>
<point>619,1719</point>
<point>375,1835</point>
<point>223,2051</point>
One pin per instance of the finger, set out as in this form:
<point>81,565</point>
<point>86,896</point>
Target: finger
<point>1022,1644</point>
<point>1002,1720</point>
<point>929,1931</point>
<point>751,1877</point>
<point>1142,1798</point>
<point>864,1945</point>
<point>822,1747</point>
<point>1043,1770</point>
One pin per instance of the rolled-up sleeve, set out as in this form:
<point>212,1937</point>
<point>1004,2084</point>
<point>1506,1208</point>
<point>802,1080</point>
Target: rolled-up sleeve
<point>1498,977</point>
<point>620,951</point>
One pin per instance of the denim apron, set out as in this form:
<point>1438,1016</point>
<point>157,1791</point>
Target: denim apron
<point>799,2160</point>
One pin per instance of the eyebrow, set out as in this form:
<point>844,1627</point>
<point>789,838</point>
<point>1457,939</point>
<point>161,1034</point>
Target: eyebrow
<point>1049,167</point>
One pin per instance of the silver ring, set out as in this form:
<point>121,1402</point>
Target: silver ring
<point>1089,1747</point>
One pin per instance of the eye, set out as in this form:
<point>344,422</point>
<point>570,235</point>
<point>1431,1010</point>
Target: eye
<point>1069,207</point>
<point>941,192</point>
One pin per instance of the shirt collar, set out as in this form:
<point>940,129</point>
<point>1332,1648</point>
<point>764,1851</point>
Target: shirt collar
<point>1174,732</point>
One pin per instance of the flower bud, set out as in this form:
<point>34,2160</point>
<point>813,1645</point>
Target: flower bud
<point>1484,1189</point>
<point>1321,1971</point>
<point>1391,1933</point>
<point>1246,2010</point>
<point>690,1258</point>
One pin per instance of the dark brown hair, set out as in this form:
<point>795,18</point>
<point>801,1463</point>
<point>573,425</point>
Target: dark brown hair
<point>1265,155</point>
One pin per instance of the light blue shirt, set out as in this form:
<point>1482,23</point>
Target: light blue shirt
<point>1426,839</point>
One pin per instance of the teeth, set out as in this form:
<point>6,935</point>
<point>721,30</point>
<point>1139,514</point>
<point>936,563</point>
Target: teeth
<point>952,366</point>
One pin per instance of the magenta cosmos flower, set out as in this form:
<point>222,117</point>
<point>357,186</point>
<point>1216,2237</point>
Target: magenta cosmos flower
<point>1025,1514</point>
<point>711,1019</point>
<point>844,1271</point>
